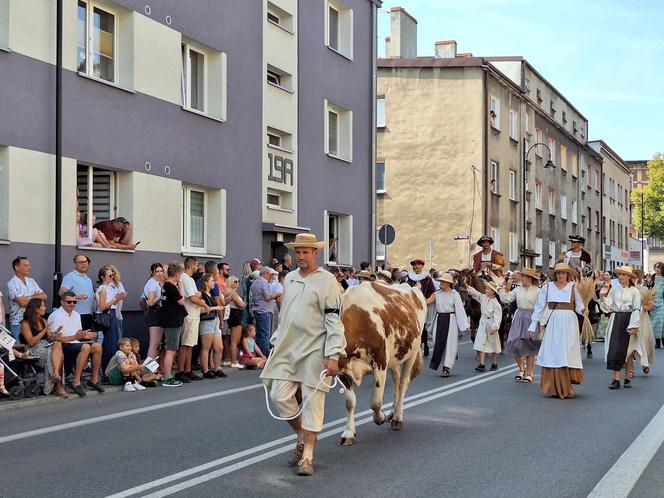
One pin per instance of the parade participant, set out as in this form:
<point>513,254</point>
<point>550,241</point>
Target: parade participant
<point>642,345</point>
<point>657,313</point>
<point>384,276</point>
<point>488,257</point>
<point>559,355</point>
<point>577,257</point>
<point>487,340</point>
<point>624,304</point>
<point>365,276</point>
<point>310,338</point>
<point>449,321</point>
<point>523,345</point>
<point>424,282</point>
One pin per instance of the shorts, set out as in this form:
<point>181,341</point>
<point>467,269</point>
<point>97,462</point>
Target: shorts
<point>152,318</point>
<point>235,318</point>
<point>209,327</point>
<point>190,332</point>
<point>115,377</point>
<point>71,350</point>
<point>282,394</point>
<point>172,338</point>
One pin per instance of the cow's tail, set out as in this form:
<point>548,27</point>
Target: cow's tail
<point>417,365</point>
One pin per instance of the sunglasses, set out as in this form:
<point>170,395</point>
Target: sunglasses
<point>70,302</point>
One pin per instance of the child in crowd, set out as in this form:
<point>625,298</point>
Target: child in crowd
<point>136,349</point>
<point>252,357</point>
<point>487,339</point>
<point>123,367</point>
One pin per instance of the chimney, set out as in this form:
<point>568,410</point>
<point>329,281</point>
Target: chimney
<point>402,41</point>
<point>446,49</point>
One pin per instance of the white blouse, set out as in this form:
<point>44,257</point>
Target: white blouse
<point>492,311</point>
<point>624,299</point>
<point>552,294</point>
<point>450,302</point>
<point>525,298</point>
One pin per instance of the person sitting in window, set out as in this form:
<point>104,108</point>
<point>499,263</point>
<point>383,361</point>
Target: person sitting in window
<point>117,232</point>
<point>492,119</point>
<point>86,239</point>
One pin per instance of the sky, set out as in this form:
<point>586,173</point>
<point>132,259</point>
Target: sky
<point>606,57</point>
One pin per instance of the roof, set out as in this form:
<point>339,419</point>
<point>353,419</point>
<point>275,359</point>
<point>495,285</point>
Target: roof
<point>425,62</point>
<point>610,152</point>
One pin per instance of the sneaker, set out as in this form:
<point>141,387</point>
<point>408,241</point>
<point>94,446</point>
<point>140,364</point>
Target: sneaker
<point>305,467</point>
<point>193,376</point>
<point>182,377</point>
<point>236,365</point>
<point>494,367</point>
<point>225,363</point>
<point>95,386</point>
<point>220,373</point>
<point>138,387</point>
<point>615,384</point>
<point>480,368</point>
<point>129,387</point>
<point>171,382</point>
<point>627,384</point>
<point>295,454</point>
<point>209,375</point>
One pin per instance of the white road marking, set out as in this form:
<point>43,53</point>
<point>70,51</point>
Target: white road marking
<point>619,481</point>
<point>409,402</point>
<point>126,413</point>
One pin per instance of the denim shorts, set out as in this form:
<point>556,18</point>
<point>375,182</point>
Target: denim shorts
<point>172,338</point>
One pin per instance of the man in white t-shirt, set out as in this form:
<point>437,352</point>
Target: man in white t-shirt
<point>77,344</point>
<point>21,289</point>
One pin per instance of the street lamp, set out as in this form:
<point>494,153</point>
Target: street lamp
<point>549,164</point>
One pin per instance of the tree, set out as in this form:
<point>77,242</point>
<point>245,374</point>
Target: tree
<point>653,200</point>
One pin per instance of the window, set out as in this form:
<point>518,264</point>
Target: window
<point>514,248</point>
<point>495,177</point>
<point>552,254</point>
<point>575,166</point>
<point>97,190</point>
<point>552,146</point>
<point>563,157</point>
<point>564,117</point>
<point>495,235</point>
<point>539,138</point>
<point>574,128</point>
<point>380,178</point>
<point>194,65</point>
<point>279,17</point>
<point>513,125</point>
<point>563,207</point>
<point>279,139</point>
<point>590,219</point>
<point>380,112</point>
<point>280,79</point>
<point>512,185</point>
<point>597,222</point>
<point>526,122</point>
<point>96,42</point>
<point>575,207</point>
<point>338,132</point>
<point>339,28</point>
<point>203,80</point>
<point>204,220</point>
<point>552,109</point>
<point>597,180</point>
<point>194,217</point>
<point>495,113</point>
<point>539,96</point>
<point>272,17</point>
<point>273,198</point>
<point>339,244</point>
<point>538,250</point>
<point>380,247</point>
<point>538,195</point>
<point>552,201</point>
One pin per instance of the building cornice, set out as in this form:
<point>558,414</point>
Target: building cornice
<point>612,154</point>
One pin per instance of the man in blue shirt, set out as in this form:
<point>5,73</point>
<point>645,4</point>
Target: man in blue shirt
<point>80,284</point>
<point>259,298</point>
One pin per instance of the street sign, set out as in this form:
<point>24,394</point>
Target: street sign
<point>461,237</point>
<point>386,234</point>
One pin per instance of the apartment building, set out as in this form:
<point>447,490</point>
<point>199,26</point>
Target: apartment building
<point>218,129</point>
<point>457,157</point>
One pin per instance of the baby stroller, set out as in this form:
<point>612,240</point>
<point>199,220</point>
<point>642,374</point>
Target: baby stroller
<point>20,374</point>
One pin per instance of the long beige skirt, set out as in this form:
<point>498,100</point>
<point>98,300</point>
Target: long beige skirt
<point>558,381</point>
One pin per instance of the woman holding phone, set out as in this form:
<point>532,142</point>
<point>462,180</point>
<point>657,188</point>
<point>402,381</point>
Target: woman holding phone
<point>42,344</point>
<point>108,297</point>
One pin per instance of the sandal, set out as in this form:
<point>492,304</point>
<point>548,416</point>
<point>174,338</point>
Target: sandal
<point>528,379</point>
<point>446,372</point>
<point>571,395</point>
<point>519,376</point>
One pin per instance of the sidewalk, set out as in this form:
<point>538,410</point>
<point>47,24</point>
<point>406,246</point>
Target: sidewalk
<point>6,404</point>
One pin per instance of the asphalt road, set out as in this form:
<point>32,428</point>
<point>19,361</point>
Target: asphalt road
<point>469,435</point>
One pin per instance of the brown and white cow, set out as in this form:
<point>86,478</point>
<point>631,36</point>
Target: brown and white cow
<point>383,324</point>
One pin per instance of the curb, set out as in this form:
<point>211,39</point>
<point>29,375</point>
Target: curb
<point>50,399</point>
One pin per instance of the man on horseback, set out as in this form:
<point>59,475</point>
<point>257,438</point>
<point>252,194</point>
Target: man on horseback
<point>488,258</point>
<point>577,258</point>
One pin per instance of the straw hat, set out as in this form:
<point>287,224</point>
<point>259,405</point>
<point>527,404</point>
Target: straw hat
<point>562,267</point>
<point>306,240</point>
<point>492,286</point>
<point>445,277</point>
<point>529,272</point>
<point>385,275</point>
<point>625,270</point>
<point>365,275</point>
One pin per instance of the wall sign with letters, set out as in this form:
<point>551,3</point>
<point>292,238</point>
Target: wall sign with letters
<point>281,169</point>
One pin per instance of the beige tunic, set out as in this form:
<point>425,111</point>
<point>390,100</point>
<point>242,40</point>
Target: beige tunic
<point>306,335</point>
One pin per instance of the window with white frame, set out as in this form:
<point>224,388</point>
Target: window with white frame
<point>338,131</point>
<point>512,185</point>
<point>539,138</point>
<point>194,216</point>
<point>194,65</point>
<point>495,235</point>
<point>514,248</point>
<point>495,177</point>
<point>552,201</point>
<point>513,125</point>
<point>203,80</point>
<point>279,17</point>
<point>526,122</point>
<point>563,206</point>
<point>380,178</point>
<point>539,189</point>
<point>552,254</point>
<point>380,112</point>
<point>494,112</point>
<point>97,194</point>
<point>552,146</point>
<point>563,157</point>
<point>279,78</point>
<point>339,28</point>
<point>538,250</point>
<point>96,43</point>
<point>575,207</point>
<point>338,238</point>
<point>279,139</point>
<point>575,165</point>
<point>380,247</point>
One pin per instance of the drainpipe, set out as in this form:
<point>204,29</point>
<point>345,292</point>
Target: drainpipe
<point>485,151</point>
<point>372,181</point>
<point>57,275</point>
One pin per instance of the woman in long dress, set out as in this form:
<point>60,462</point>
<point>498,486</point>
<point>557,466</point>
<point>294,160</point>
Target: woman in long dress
<point>657,313</point>
<point>450,319</point>
<point>624,304</point>
<point>521,343</point>
<point>642,345</point>
<point>487,339</point>
<point>559,355</point>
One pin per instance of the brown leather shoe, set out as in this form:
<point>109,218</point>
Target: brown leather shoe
<point>295,454</point>
<point>305,467</point>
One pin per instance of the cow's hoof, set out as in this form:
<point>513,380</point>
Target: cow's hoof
<point>389,417</point>
<point>347,441</point>
<point>396,425</point>
<point>379,418</point>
